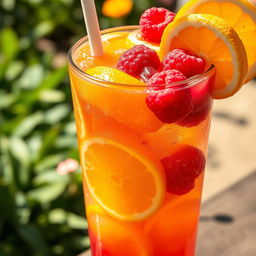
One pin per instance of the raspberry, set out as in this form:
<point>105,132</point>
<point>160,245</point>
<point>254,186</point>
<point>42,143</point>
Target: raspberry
<point>153,22</point>
<point>183,61</point>
<point>166,77</point>
<point>169,104</point>
<point>201,99</point>
<point>198,115</point>
<point>134,60</point>
<point>182,168</point>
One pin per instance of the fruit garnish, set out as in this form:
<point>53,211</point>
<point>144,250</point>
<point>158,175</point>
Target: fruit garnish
<point>113,75</point>
<point>175,221</point>
<point>112,238</point>
<point>135,113</point>
<point>213,39</point>
<point>125,184</point>
<point>240,14</point>
<point>182,167</point>
<point>201,100</point>
<point>135,38</point>
<point>198,115</point>
<point>168,103</point>
<point>153,22</point>
<point>134,60</point>
<point>166,78</point>
<point>184,61</point>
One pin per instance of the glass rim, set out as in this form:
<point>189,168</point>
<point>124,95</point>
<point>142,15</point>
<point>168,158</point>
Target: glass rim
<point>190,82</point>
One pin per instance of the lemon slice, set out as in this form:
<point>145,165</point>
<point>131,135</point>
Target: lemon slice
<point>240,14</point>
<point>124,183</point>
<point>134,38</point>
<point>213,39</point>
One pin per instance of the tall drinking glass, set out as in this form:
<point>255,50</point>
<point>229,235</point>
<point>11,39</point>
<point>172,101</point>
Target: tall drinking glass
<point>142,177</point>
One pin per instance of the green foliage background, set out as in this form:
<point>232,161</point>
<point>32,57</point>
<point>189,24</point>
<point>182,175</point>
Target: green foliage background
<point>41,212</point>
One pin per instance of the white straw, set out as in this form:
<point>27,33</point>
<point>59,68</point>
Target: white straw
<point>92,25</point>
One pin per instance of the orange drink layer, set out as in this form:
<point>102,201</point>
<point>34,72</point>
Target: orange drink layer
<point>142,177</point>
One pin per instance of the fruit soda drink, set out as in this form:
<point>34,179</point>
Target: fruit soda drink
<point>143,112</point>
<point>143,162</point>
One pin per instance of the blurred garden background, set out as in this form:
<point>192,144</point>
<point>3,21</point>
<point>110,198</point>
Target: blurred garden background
<point>42,211</point>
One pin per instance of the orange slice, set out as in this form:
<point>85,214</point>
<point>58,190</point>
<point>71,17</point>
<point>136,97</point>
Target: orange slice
<point>116,238</point>
<point>134,38</point>
<point>124,183</point>
<point>113,75</point>
<point>124,103</point>
<point>212,38</point>
<point>240,14</point>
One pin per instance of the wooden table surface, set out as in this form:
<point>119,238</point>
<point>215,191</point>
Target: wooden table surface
<point>228,222</point>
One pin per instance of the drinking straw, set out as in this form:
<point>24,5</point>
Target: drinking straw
<point>92,26</point>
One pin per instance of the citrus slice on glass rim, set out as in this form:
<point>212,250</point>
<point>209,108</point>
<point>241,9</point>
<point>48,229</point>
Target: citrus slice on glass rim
<point>215,40</point>
<point>240,14</point>
<point>127,185</point>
